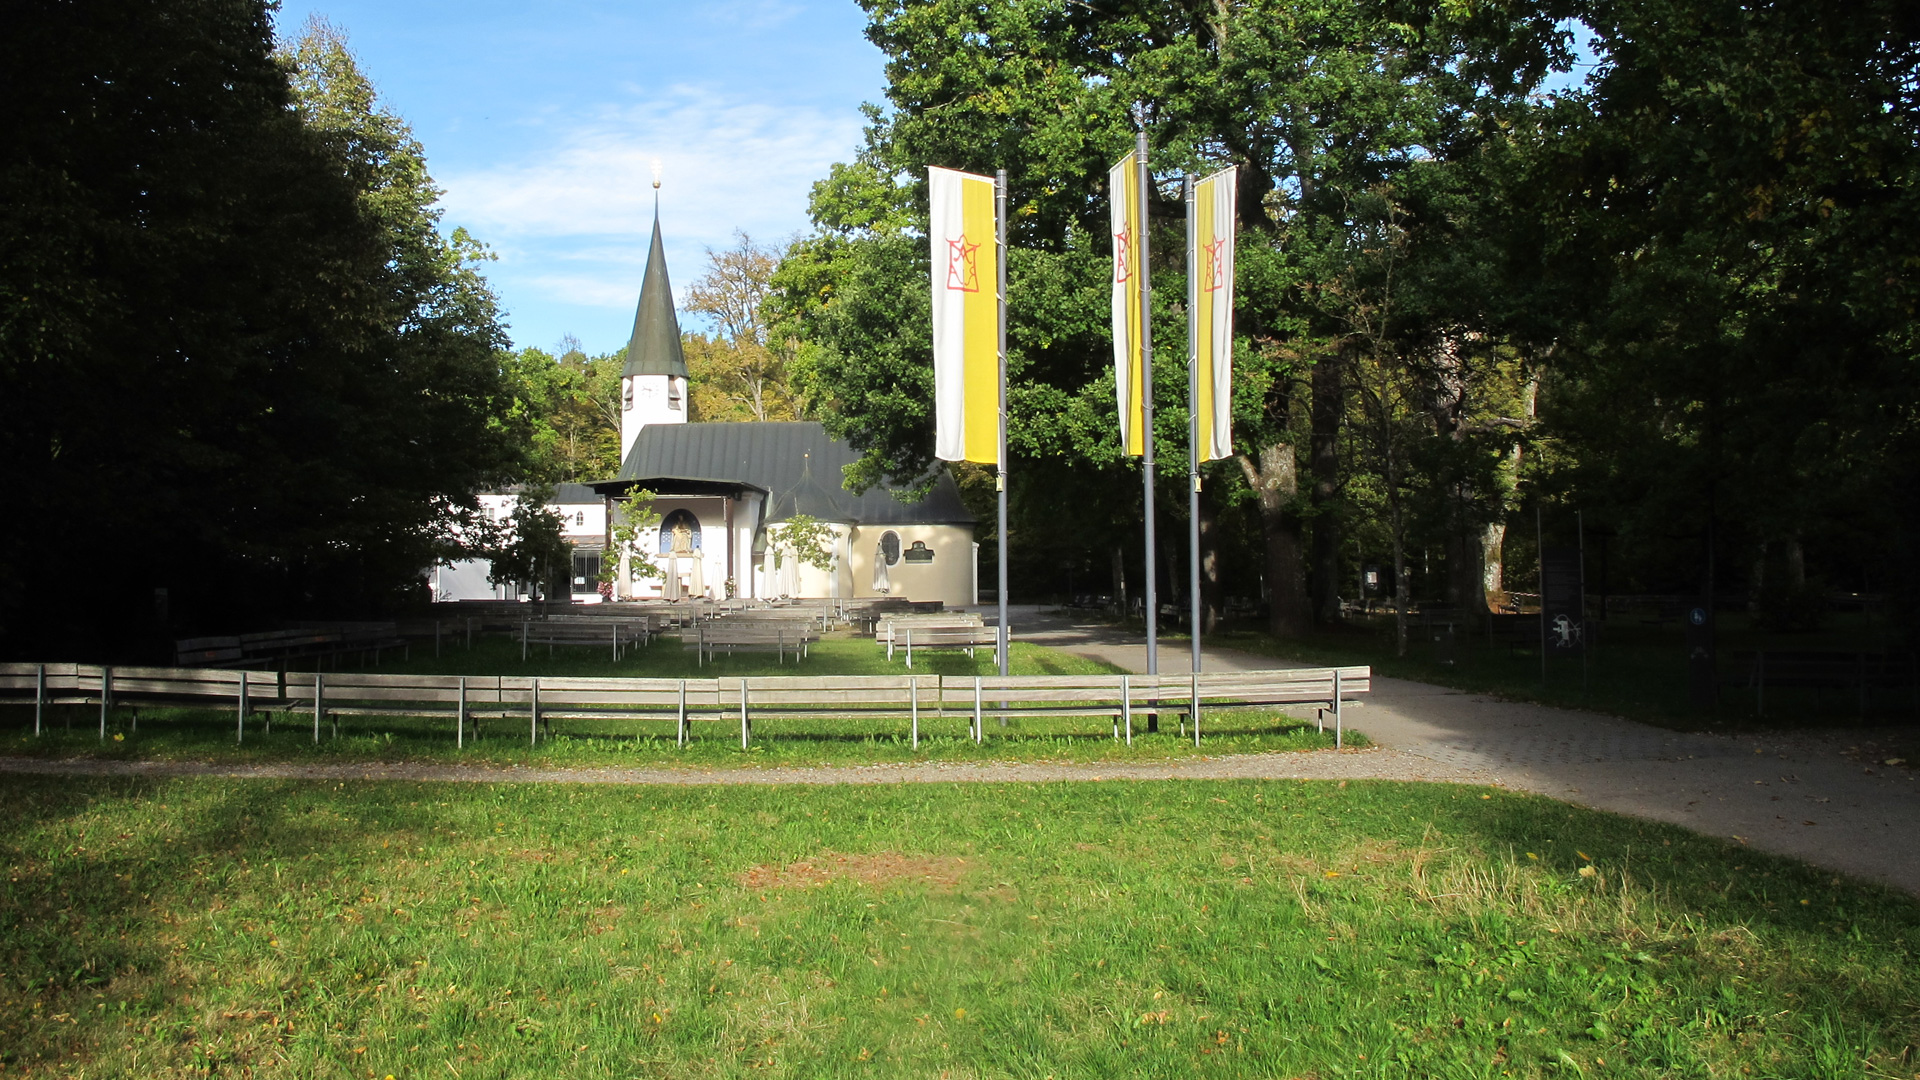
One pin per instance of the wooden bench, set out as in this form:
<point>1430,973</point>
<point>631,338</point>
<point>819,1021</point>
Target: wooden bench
<point>778,636</point>
<point>1121,697</point>
<point>540,702</point>
<point>820,618</point>
<point>955,629</point>
<point>617,634</point>
<point>942,637</point>
<point>270,648</point>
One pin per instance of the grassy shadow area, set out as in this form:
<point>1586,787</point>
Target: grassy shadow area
<point>1637,669</point>
<point>202,735</point>
<point>1370,929</point>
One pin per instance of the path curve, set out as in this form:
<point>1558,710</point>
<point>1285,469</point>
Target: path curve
<point>1813,795</point>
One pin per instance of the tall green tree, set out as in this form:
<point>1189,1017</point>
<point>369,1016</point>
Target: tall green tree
<point>236,352</point>
<point>1725,217</point>
<point>1318,104</point>
<point>743,371</point>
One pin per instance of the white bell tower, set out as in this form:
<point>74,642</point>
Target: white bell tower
<point>653,385</point>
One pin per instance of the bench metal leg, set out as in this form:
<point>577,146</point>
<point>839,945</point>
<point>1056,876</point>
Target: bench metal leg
<point>746,726</point>
<point>1126,708</point>
<point>39,696</point>
<point>1339,729</point>
<point>319,690</point>
<point>913,696</point>
<point>680,721</point>
<point>240,724</point>
<point>534,738</point>
<point>1196,710</point>
<point>978,727</point>
<point>460,718</point>
<point>106,697</point>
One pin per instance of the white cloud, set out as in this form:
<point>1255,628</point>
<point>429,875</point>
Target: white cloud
<point>584,199</point>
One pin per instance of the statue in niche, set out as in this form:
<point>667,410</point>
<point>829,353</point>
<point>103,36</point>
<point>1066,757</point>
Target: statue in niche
<point>680,535</point>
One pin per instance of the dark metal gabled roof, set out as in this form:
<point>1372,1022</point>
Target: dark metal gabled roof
<point>574,494</point>
<point>793,462</point>
<point>654,348</point>
<point>810,497</point>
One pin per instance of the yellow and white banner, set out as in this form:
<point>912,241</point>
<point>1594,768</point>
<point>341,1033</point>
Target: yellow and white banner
<point>1129,367</point>
<point>1212,260</point>
<point>966,317</point>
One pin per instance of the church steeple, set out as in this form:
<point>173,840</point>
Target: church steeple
<point>654,348</point>
<point>653,385</point>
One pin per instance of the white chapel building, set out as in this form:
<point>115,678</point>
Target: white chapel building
<point>724,491</point>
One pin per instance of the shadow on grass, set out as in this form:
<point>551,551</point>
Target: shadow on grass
<point>223,925</point>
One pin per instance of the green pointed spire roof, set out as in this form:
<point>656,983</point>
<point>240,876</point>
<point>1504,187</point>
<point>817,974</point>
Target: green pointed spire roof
<point>654,348</point>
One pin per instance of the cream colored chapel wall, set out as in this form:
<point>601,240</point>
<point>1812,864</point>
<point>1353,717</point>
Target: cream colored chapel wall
<point>949,577</point>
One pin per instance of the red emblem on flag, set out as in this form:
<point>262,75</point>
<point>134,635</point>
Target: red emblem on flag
<point>1122,256</point>
<point>1216,275</point>
<point>963,265</point>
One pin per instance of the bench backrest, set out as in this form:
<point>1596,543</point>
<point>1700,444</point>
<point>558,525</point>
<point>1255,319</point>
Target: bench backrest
<point>722,633</point>
<point>19,682</point>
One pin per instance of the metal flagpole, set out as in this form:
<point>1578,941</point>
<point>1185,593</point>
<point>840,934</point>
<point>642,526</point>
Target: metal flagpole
<point>1146,396</point>
<point>1000,483</point>
<point>1193,424</point>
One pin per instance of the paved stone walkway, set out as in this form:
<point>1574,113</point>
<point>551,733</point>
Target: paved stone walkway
<point>1804,794</point>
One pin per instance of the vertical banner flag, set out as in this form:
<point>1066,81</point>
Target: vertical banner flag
<point>1214,212</point>
<point>1129,368</point>
<point>966,317</point>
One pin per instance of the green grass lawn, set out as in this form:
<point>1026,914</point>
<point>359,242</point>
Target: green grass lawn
<point>209,734</point>
<point>159,928</point>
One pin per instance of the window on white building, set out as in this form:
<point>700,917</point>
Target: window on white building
<point>626,394</point>
<point>673,393</point>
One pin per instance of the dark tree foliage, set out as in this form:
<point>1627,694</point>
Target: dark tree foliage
<point>1723,249</point>
<point>1679,296</point>
<point>239,381</point>
<point>1318,103</point>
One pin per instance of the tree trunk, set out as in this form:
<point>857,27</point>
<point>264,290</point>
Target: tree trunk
<point>1329,408</point>
<point>1493,580</point>
<point>1276,484</point>
<point>1120,579</point>
<point>1210,601</point>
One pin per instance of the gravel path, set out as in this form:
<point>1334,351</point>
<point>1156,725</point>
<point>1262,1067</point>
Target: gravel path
<point>1371,763</point>
<point>1819,796</point>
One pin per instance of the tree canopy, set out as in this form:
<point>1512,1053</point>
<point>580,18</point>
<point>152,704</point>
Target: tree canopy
<point>244,371</point>
<point>1675,294</point>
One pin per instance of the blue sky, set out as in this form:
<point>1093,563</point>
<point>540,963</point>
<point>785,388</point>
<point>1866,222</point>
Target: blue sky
<point>542,120</point>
